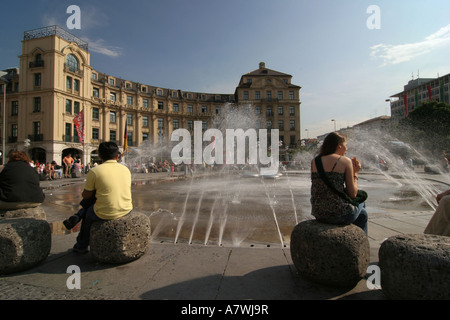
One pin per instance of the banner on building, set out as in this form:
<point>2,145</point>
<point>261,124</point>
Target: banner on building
<point>405,100</point>
<point>79,126</point>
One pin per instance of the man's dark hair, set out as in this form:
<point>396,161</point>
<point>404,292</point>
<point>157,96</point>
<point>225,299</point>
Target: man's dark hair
<point>108,150</point>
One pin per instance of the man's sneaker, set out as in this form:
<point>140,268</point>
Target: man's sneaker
<point>71,222</point>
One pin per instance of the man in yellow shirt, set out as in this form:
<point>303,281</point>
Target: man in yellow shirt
<point>110,184</point>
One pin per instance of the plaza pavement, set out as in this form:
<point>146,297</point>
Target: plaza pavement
<point>193,272</point>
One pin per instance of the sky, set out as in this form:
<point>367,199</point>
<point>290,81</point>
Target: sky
<point>348,56</point>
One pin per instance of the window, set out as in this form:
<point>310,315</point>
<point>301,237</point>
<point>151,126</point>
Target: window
<point>218,110</point>
<point>145,121</point>
<point>281,125</point>
<point>14,130</point>
<point>69,83</point>
<point>160,105</point>
<point>160,123</point>
<point>14,108</point>
<point>72,63</point>
<point>204,109</point>
<point>291,111</point>
<point>257,95</point>
<point>95,92</point>
<point>176,124</point>
<point>129,100</point>
<point>112,135</point>
<point>76,107</point>
<point>269,95</point>
<point>112,117</point>
<point>94,76</point>
<point>129,119</point>
<point>37,104</point>
<point>204,127</point>
<point>111,82</point>
<point>176,108</point>
<point>258,110</point>
<point>269,112</point>
<point>280,111</point>
<point>76,85</point>
<point>112,96</point>
<point>68,106</point>
<point>190,125</point>
<point>37,79</point>
<point>68,135</point>
<point>291,95</point>
<point>144,136</point>
<point>280,95</point>
<point>190,109</point>
<point>145,103</point>
<point>95,134</point>
<point>292,125</point>
<point>269,124</point>
<point>36,128</point>
<point>95,114</point>
<point>245,95</point>
<point>159,92</point>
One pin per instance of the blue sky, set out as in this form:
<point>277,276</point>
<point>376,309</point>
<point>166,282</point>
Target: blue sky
<point>345,69</point>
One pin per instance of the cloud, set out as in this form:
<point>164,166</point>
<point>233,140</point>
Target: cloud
<point>99,46</point>
<point>394,54</point>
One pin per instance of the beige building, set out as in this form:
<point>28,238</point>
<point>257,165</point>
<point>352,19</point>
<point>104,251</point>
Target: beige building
<point>55,82</point>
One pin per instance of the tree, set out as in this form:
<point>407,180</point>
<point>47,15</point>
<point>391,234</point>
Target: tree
<point>428,126</point>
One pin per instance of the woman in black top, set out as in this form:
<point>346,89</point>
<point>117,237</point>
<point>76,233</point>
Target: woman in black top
<point>19,183</point>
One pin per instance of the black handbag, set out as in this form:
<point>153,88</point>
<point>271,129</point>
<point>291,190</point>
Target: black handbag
<point>361,195</point>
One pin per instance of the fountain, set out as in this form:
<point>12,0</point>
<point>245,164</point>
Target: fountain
<point>234,205</point>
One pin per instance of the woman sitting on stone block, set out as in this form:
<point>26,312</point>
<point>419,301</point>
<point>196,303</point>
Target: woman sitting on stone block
<point>342,174</point>
<point>19,183</point>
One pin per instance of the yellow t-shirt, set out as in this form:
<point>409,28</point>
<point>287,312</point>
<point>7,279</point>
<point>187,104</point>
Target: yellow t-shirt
<point>112,182</point>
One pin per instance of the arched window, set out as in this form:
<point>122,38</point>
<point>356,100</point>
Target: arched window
<point>72,63</point>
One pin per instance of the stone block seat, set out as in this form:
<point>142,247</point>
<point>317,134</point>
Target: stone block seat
<point>120,240</point>
<point>25,239</point>
<point>330,254</point>
<point>415,266</point>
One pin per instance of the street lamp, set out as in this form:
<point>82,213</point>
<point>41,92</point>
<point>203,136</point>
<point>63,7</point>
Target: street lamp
<point>4,121</point>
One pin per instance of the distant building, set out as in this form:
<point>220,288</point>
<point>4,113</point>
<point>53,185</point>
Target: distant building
<point>418,91</point>
<point>56,82</point>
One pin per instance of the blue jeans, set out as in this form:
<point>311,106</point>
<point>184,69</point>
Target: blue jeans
<point>88,216</point>
<point>358,217</point>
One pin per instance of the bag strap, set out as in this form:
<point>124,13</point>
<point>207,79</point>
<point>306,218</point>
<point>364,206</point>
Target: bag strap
<point>322,175</point>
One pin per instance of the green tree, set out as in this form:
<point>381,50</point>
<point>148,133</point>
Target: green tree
<point>428,126</point>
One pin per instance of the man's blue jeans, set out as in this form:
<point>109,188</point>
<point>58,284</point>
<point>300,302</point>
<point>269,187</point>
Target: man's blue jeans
<point>88,216</point>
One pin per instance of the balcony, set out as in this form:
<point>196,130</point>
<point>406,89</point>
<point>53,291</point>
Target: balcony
<point>67,138</point>
<point>76,72</point>
<point>36,64</point>
<point>36,137</point>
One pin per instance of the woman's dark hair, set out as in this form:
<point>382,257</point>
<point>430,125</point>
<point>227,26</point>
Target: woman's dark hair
<point>108,150</point>
<point>331,143</point>
<point>18,156</point>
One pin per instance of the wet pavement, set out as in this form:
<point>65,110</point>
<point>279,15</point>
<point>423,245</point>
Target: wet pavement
<point>185,271</point>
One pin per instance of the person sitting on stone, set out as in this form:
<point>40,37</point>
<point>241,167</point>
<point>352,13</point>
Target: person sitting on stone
<point>439,223</point>
<point>342,172</point>
<point>19,184</point>
<point>110,182</point>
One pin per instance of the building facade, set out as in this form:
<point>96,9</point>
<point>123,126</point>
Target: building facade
<point>418,91</point>
<point>56,83</point>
